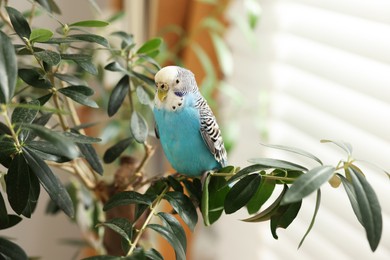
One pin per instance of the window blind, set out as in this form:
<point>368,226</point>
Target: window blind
<point>326,66</point>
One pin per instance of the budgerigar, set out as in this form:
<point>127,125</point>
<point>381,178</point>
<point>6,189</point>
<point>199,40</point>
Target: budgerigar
<point>188,131</point>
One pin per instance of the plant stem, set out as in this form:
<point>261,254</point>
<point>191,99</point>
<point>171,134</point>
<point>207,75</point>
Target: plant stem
<point>11,128</point>
<point>154,205</point>
<point>278,178</point>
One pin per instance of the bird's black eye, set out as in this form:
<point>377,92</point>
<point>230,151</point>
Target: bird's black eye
<point>177,81</point>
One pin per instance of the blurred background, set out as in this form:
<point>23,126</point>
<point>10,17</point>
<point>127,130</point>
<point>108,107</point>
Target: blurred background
<point>288,72</point>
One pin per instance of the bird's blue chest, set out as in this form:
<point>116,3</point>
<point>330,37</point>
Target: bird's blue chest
<point>182,142</point>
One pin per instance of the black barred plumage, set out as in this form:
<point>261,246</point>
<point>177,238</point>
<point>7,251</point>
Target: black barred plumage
<point>210,131</point>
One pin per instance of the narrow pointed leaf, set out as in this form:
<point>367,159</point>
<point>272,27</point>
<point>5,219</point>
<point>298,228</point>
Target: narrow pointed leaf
<point>184,207</point>
<point>40,35</point>
<point>240,194</point>
<point>19,23</point>
<point>50,57</point>
<point>275,163</point>
<point>8,69</point>
<point>91,38</point>
<point>262,194</point>
<point>308,183</point>
<point>91,156</point>
<point>72,80</point>
<point>3,212</point>
<point>49,5</point>
<point>128,197</point>
<point>79,138</point>
<point>294,150</point>
<point>10,250</point>
<point>116,150</point>
<point>150,46</point>
<point>316,208</point>
<point>138,127</point>
<point>33,196</point>
<point>171,238</point>
<point>118,95</point>
<point>284,216</point>
<point>266,214</point>
<point>89,23</point>
<point>65,146</point>
<point>78,97</point>
<point>205,201</point>
<point>47,151</point>
<point>352,197</point>
<point>122,226</point>
<point>34,79</point>
<point>88,66</point>
<point>13,220</point>
<point>245,171</point>
<point>176,228</point>
<point>143,96</point>
<point>115,66</point>
<point>87,91</point>
<point>343,145</point>
<point>25,114</point>
<point>369,206</point>
<point>18,183</point>
<point>50,182</point>
<point>153,254</point>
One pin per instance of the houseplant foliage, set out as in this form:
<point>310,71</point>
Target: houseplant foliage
<point>42,80</point>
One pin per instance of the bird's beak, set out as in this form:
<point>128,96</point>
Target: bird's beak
<point>162,94</point>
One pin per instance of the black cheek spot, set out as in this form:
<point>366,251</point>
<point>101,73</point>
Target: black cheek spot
<point>180,104</point>
<point>173,107</point>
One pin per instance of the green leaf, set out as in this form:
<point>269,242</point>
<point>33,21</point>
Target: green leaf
<point>138,127</point>
<point>122,226</point>
<point>150,46</point>
<point>118,95</point>
<point>65,147</point>
<point>19,23</point>
<point>50,57</point>
<point>144,78</point>
<point>171,238</point>
<point>79,138</point>
<point>174,225</point>
<point>115,66</point>
<point>308,183</point>
<point>12,220</point>
<point>275,163</point>
<point>7,146</point>
<point>72,80</point>
<point>4,218</point>
<point>194,189</point>
<point>183,206</point>
<point>47,151</point>
<point>8,69</point>
<point>10,250</point>
<point>77,96</point>
<point>89,23</point>
<point>88,66</point>
<point>33,196</point>
<point>352,197</point>
<point>262,194</point>
<point>318,202</point>
<point>116,150</point>
<point>270,211</point>
<point>175,184</point>
<point>49,5</point>
<point>153,254</point>
<point>224,55</point>
<point>18,183</point>
<point>369,207</point>
<point>284,216</point>
<point>25,115</point>
<point>40,35</point>
<point>347,147</point>
<point>34,78</point>
<point>128,197</point>
<point>240,194</point>
<point>50,182</point>
<point>92,38</point>
<point>143,96</point>
<point>218,190</point>
<point>246,171</point>
<point>91,156</point>
<point>294,150</point>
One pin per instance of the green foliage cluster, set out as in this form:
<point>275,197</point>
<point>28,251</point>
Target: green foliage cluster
<point>39,128</point>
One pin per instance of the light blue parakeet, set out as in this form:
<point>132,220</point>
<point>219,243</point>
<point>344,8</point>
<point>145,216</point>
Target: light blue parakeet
<point>185,124</point>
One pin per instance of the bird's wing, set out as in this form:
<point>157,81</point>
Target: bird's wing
<point>211,133</point>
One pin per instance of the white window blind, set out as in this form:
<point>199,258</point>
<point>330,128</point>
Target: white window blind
<point>326,65</point>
